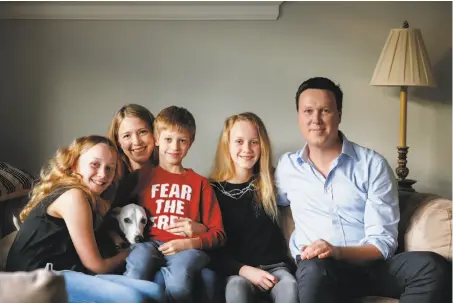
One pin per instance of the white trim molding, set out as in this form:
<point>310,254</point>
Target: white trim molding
<point>146,10</point>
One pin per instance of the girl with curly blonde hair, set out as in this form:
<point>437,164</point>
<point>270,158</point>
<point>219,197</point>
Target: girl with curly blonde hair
<point>65,209</point>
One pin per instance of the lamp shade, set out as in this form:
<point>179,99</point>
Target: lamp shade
<point>404,60</point>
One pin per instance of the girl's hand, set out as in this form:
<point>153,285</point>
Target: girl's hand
<point>172,247</point>
<point>260,278</point>
<point>186,227</point>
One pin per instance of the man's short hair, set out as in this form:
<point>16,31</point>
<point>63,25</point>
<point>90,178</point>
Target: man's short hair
<point>175,117</point>
<point>325,84</point>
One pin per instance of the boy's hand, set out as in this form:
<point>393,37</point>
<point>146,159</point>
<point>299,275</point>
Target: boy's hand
<point>186,227</point>
<point>258,277</point>
<point>172,247</point>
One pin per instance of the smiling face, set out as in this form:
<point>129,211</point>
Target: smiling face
<point>318,117</point>
<point>97,167</point>
<point>136,140</point>
<point>173,147</point>
<point>244,146</point>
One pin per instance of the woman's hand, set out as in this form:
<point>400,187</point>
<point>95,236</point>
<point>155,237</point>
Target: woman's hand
<point>186,227</point>
<point>260,278</point>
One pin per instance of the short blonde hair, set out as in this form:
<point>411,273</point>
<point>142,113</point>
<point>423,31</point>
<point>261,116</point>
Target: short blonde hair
<point>175,117</point>
<point>58,174</point>
<point>224,170</point>
<point>130,110</point>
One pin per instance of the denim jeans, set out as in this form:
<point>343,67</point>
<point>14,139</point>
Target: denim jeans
<point>178,270</point>
<point>209,286</point>
<point>241,290</point>
<point>83,288</point>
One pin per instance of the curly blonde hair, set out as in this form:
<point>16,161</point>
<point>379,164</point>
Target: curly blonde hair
<point>223,169</point>
<point>136,111</point>
<point>59,174</point>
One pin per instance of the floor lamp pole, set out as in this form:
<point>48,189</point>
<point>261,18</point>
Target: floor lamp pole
<point>402,171</point>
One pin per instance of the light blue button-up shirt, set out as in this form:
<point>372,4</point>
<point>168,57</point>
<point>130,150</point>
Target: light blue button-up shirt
<point>356,204</point>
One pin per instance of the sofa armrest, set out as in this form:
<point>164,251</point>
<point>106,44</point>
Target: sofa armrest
<point>425,224</point>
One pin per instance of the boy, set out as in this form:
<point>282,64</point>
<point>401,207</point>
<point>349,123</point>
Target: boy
<point>177,198</point>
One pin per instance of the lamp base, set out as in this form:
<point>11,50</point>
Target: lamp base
<point>406,185</point>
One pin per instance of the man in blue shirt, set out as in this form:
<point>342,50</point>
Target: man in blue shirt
<point>344,201</point>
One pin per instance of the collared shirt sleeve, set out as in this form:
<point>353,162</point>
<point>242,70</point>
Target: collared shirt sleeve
<point>279,176</point>
<point>382,209</point>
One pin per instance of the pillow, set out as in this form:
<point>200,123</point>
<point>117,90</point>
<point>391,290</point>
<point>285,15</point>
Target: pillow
<point>28,287</point>
<point>427,224</point>
<point>13,182</point>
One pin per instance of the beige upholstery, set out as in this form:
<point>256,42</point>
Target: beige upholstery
<point>425,225</point>
<point>32,287</point>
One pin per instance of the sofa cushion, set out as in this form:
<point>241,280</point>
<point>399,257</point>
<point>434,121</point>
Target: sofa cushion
<point>426,225</point>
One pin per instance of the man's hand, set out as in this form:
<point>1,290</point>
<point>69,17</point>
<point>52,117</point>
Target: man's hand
<point>321,249</point>
<point>186,227</point>
<point>260,278</point>
<point>172,247</point>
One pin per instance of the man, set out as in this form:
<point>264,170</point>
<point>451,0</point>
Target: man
<point>344,201</point>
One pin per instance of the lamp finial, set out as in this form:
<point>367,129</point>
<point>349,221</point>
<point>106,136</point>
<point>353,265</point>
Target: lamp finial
<point>405,24</point>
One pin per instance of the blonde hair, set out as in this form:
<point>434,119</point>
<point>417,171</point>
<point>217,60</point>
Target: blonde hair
<point>59,174</point>
<point>130,110</point>
<point>224,170</point>
<point>175,117</point>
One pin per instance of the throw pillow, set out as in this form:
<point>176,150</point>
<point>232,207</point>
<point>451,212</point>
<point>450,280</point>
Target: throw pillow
<point>13,182</point>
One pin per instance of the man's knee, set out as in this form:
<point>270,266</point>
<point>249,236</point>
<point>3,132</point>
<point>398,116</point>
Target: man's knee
<point>431,266</point>
<point>312,270</point>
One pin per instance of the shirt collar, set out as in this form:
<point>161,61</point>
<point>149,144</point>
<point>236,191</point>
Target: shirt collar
<point>347,149</point>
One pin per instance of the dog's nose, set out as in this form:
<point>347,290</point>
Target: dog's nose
<point>139,239</point>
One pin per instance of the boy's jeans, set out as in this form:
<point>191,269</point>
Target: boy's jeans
<point>179,270</point>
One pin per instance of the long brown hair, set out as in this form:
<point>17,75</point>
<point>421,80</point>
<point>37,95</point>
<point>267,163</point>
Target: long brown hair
<point>130,110</point>
<point>58,174</point>
<point>224,170</point>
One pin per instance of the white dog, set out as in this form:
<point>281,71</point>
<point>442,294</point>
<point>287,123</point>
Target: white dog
<point>132,220</point>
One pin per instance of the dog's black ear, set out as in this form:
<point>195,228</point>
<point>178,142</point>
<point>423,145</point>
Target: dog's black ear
<point>148,225</point>
<point>148,216</point>
<point>115,211</point>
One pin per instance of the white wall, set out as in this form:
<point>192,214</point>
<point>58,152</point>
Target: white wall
<point>60,79</point>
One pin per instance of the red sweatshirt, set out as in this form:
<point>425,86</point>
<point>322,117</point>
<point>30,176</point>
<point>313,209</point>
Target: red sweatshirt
<point>170,196</point>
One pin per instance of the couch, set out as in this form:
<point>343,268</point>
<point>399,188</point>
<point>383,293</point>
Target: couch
<point>425,225</point>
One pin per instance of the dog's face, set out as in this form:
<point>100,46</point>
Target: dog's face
<point>132,220</point>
